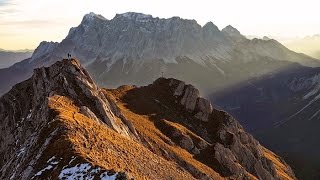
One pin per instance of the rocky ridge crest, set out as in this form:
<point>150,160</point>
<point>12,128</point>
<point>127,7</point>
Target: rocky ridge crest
<point>60,124</point>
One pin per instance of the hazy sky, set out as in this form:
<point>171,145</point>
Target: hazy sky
<point>25,23</point>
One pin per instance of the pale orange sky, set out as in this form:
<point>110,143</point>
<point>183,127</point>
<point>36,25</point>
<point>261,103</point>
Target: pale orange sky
<point>25,23</point>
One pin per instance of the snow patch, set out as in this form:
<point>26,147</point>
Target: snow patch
<point>84,171</point>
<point>219,69</point>
<point>91,16</point>
<point>137,16</point>
<point>13,175</point>
<point>314,115</point>
<point>21,151</point>
<point>43,170</point>
<point>30,114</point>
<point>312,92</point>
<point>105,176</point>
<point>277,124</point>
<point>51,162</point>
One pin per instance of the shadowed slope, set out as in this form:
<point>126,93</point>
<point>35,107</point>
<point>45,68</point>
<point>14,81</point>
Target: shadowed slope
<point>174,128</point>
<point>59,124</point>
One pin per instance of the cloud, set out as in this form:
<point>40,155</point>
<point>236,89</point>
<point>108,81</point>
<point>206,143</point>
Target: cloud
<point>7,8</point>
<point>5,2</point>
<point>7,11</point>
<point>30,23</point>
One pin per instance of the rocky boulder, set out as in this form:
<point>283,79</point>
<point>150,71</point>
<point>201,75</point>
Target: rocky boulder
<point>239,155</point>
<point>203,109</point>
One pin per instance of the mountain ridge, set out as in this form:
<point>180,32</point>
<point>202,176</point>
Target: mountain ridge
<point>125,46</point>
<point>71,128</point>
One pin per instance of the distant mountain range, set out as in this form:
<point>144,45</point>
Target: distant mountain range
<point>281,110</point>
<point>134,48</point>
<point>309,45</point>
<point>249,78</point>
<point>8,58</point>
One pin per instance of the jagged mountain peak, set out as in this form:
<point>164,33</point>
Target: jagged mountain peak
<point>266,38</point>
<point>233,33</point>
<point>230,29</point>
<point>92,16</point>
<point>141,17</point>
<point>210,26</point>
<point>122,47</point>
<point>135,16</point>
<point>43,49</point>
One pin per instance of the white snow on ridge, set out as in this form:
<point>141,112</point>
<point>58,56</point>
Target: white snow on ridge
<point>52,161</point>
<point>137,16</point>
<point>314,115</point>
<point>105,176</point>
<point>312,92</point>
<point>43,170</point>
<point>91,16</point>
<point>84,171</point>
<point>21,151</point>
<point>315,81</point>
<point>277,124</point>
<point>29,115</point>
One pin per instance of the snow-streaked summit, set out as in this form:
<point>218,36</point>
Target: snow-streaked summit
<point>130,41</point>
<point>92,15</point>
<point>133,16</point>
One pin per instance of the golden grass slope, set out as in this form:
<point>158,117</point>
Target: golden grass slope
<point>101,146</point>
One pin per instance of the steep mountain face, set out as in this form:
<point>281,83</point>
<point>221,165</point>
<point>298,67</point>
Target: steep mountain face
<point>283,93</point>
<point>287,105</point>
<point>8,58</point>
<point>59,125</point>
<point>129,46</point>
<point>22,70</point>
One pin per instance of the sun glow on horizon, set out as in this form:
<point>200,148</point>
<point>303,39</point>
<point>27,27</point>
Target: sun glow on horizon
<point>25,23</point>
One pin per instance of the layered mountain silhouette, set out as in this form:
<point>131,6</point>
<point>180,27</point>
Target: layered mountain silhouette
<point>260,81</point>
<point>60,125</point>
<point>8,58</point>
<point>129,46</point>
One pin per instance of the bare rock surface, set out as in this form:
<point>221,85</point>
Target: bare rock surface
<point>25,114</point>
<point>237,152</point>
<point>60,125</point>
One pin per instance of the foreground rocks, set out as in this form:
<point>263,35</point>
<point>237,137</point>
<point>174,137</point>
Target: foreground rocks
<point>59,125</point>
<point>236,151</point>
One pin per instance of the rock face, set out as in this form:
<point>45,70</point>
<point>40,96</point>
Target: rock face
<point>60,125</point>
<point>44,49</point>
<point>25,113</point>
<point>204,109</point>
<point>233,33</point>
<point>129,46</point>
<point>283,103</point>
<point>191,99</point>
<point>231,145</point>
